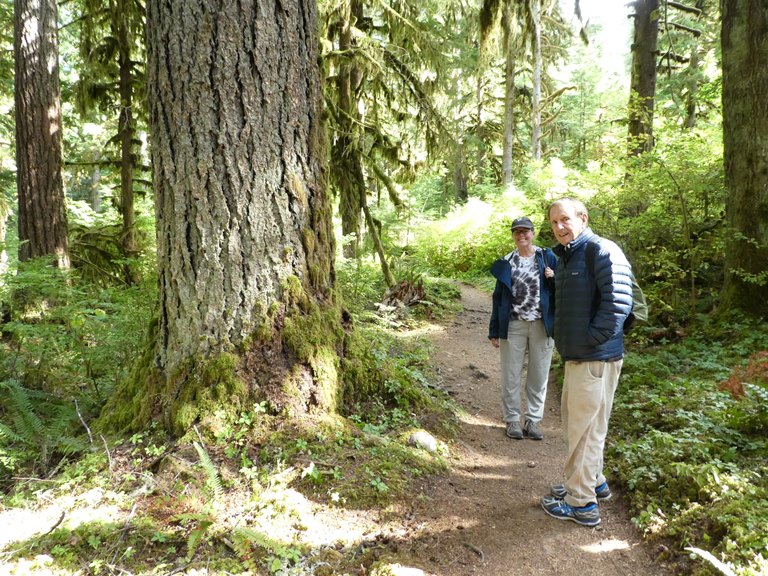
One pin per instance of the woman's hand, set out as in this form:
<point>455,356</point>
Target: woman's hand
<point>495,342</point>
<point>548,272</point>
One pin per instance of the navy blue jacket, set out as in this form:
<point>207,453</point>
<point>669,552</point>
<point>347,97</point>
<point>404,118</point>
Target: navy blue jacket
<point>502,294</point>
<point>591,305</point>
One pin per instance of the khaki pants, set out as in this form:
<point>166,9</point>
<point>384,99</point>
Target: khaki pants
<point>586,404</point>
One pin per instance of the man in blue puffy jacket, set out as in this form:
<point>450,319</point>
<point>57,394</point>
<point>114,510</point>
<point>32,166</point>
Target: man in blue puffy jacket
<point>593,297</point>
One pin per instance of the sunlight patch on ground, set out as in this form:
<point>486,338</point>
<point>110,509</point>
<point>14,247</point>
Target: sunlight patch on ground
<point>479,420</point>
<point>502,475</point>
<point>19,524</point>
<point>424,330</point>
<point>309,522</point>
<point>606,546</point>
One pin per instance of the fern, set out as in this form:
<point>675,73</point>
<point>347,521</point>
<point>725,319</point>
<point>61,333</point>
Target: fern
<point>38,423</point>
<point>195,536</point>
<point>245,539</point>
<point>7,434</point>
<point>28,427</point>
<point>212,479</point>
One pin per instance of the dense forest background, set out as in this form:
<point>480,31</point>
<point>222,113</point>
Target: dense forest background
<point>214,221</point>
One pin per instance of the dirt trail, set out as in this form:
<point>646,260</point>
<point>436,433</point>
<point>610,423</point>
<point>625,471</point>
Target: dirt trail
<point>484,517</point>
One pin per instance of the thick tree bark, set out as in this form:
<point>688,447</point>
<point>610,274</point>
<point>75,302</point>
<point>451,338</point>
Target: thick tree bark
<point>244,238</point>
<point>42,210</point>
<point>745,125</point>
<point>643,79</point>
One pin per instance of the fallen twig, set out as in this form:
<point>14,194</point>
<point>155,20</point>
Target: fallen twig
<point>476,550</point>
<point>58,522</point>
<point>90,437</point>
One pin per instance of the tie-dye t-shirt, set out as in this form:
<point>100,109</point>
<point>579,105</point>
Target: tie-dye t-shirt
<point>525,287</point>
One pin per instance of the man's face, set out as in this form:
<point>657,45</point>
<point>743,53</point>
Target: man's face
<point>566,225</point>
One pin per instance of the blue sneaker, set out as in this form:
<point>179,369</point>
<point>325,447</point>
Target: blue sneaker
<point>588,515</point>
<point>602,491</point>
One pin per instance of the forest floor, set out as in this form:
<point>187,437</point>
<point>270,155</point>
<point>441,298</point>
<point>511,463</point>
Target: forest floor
<point>484,516</point>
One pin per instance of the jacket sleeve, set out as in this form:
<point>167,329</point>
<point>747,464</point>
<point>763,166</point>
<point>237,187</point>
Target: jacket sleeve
<point>614,292</point>
<point>493,325</point>
<point>551,261</point>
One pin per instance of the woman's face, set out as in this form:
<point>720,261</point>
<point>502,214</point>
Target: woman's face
<point>523,237</point>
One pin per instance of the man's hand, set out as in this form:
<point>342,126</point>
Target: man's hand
<point>495,342</point>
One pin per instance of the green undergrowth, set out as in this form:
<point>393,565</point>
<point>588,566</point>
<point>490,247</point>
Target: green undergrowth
<point>689,443</point>
<point>238,498</point>
<point>64,344</point>
<point>238,495</point>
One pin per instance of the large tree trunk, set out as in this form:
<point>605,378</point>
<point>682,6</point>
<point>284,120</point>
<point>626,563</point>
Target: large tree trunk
<point>244,237</point>
<point>745,125</point>
<point>643,79</point>
<point>42,210</point>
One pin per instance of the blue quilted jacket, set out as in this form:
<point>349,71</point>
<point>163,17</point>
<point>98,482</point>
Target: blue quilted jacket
<point>502,294</point>
<point>591,305</point>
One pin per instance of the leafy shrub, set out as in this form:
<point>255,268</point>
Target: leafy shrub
<point>472,236</point>
<point>691,456</point>
<point>749,385</point>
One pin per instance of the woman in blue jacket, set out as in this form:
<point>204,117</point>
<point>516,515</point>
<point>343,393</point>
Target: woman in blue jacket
<point>522,320</point>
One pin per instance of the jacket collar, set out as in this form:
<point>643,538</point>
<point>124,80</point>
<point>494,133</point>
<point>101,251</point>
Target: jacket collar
<point>575,244</point>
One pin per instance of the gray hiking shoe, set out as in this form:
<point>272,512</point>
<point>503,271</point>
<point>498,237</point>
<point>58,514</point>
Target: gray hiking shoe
<point>602,491</point>
<point>588,515</point>
<point>532,430</point>
<point>514,430</point>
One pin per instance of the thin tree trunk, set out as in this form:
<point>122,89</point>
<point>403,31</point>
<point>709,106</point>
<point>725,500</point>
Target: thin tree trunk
<point>126,130</point>
<point>94,194</point>
<point>480,128</point>
<point>693,87</point>
<point>459,174</point>
<point>643,80</point>
<point>42,209</point>
<point>348,171</point>
<point>691,99</point>
<point>3,235</point>
<point>536,81</point>
<point>373,231</point>
<point>510,94</point>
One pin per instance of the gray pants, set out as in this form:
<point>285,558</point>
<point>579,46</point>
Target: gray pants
<point>531,336</point>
